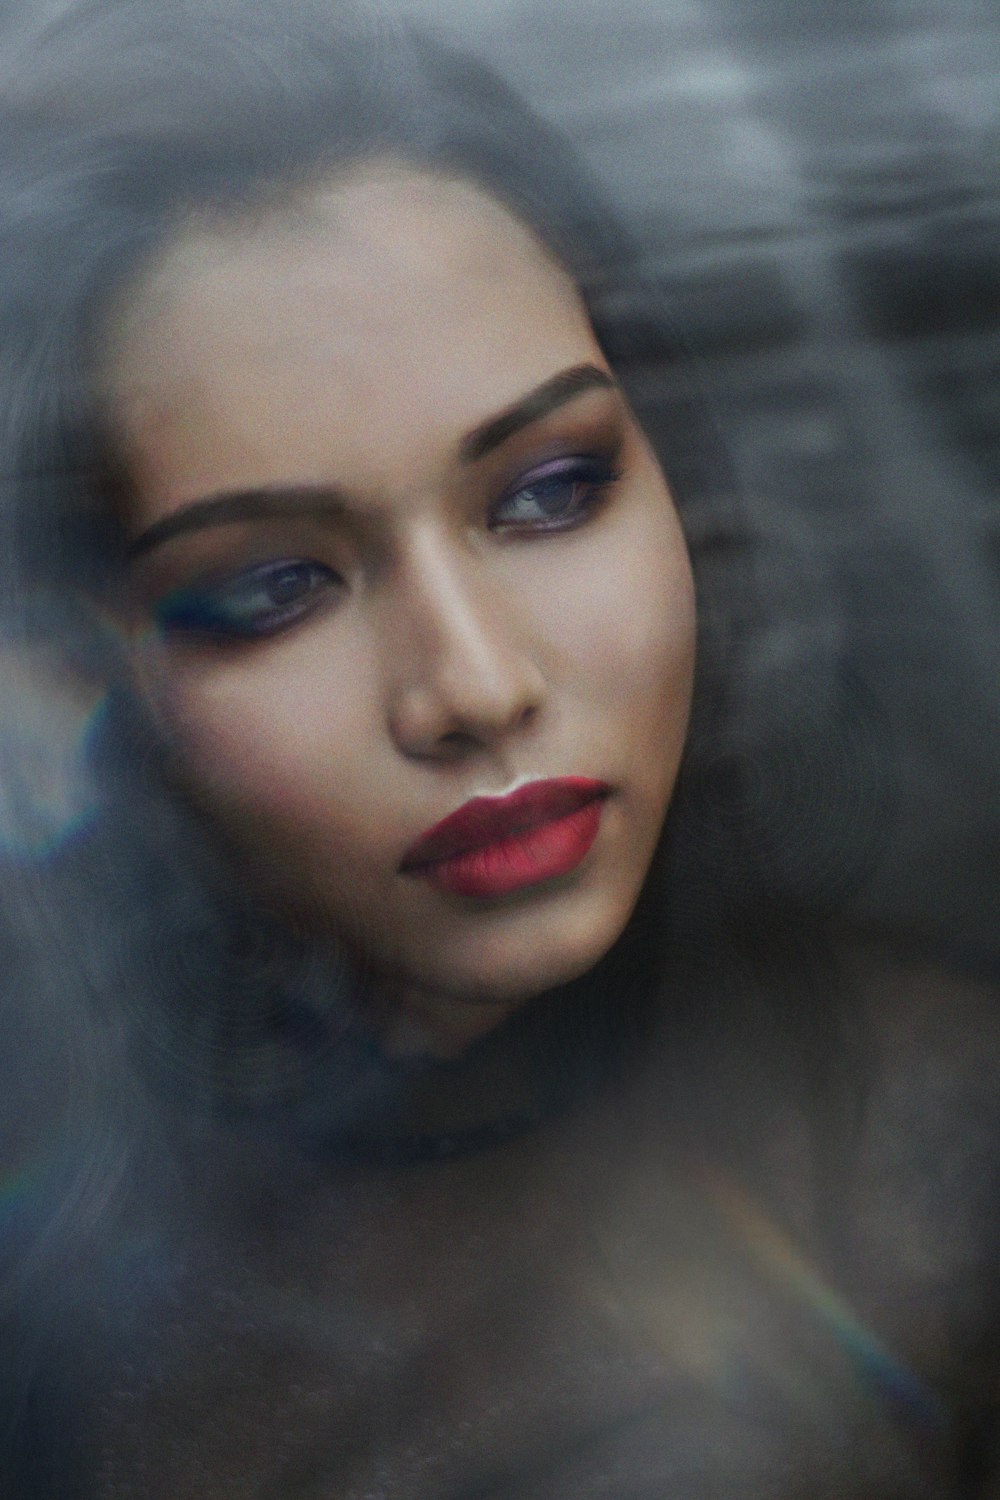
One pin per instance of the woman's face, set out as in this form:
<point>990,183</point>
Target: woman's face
<point>398,543</point>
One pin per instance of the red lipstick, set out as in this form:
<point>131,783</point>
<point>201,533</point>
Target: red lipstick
<point>494,845</point>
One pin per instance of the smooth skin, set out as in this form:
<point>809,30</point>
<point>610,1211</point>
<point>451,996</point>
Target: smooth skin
<point>349,429</point>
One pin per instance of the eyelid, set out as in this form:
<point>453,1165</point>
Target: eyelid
<point>564,464</point>
<point>590,444</point>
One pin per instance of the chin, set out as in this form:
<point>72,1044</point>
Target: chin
<point>441,1002</point>
<point>510,967</point>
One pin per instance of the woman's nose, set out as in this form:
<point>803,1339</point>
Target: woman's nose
<point>461,676</point>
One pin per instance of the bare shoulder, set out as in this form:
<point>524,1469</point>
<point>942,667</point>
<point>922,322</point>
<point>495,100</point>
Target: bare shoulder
<point>890,969</point>
<point>923,1193</point>
<point>932,1042</point>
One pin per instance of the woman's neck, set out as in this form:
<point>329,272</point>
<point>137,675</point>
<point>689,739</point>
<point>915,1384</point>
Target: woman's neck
<point>413,1023</point>
<point>399,1092</point>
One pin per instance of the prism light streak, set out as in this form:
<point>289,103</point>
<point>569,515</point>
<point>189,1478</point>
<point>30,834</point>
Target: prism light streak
<point>776,1252</point>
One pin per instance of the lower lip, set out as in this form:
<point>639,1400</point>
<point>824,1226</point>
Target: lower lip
<point>512,864</point>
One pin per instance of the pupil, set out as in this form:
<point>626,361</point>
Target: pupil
<point>550,493</point>
<point>287,584</point>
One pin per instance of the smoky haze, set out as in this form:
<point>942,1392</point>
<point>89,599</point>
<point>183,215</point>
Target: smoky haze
<point>817,189</point>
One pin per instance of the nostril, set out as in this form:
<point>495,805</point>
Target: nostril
<point>457,700</point>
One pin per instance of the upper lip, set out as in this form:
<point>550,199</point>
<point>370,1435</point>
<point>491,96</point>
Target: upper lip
<point>485,820</point>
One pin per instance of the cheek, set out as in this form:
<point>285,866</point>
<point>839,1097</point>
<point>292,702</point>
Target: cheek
<point>648,652</point>
<point>626,616</point>
<point>277,748</point>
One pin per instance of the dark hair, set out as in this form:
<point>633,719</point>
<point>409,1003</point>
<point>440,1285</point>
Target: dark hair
<point>116,121</point>
<point>125,116</point>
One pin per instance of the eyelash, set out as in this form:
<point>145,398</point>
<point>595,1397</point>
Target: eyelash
<point>225,611</point>
<point>586,476</point>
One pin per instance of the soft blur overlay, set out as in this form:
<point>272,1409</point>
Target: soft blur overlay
<point>817,188</point>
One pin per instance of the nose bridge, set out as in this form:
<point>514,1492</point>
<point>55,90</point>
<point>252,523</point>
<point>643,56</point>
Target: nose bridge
<point>459,666</point>
<point>447,597</point>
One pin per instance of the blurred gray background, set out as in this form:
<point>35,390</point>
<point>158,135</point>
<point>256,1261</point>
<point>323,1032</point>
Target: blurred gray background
<point>817,187</point>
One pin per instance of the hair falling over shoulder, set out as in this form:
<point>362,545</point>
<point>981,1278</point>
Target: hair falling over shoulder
<point>139,982</point>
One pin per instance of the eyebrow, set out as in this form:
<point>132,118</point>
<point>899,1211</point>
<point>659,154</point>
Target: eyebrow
<point>296,500</point>
<point>546,397</point>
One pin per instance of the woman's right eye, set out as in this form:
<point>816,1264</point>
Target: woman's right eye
<point>258,602</point>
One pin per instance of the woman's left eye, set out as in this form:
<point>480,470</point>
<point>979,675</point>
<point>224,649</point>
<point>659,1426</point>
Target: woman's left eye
<point>555,497</point>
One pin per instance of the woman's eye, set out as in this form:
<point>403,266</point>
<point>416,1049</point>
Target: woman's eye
<point>259,602</point>
<point>555,497</point>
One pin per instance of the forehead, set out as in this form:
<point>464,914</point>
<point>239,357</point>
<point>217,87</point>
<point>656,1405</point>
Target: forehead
<point>393,304</point>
